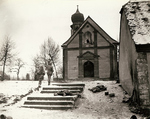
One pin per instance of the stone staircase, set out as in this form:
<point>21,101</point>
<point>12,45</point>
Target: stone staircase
<point>46,99</point>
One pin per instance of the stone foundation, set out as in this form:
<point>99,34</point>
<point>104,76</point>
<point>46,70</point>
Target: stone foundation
<point>142,77</point>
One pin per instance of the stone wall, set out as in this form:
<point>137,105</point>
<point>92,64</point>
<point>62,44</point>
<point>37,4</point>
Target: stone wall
<point>142,76</point>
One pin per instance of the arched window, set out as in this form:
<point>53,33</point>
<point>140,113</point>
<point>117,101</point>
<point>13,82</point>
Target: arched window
<point>87,41</point>
<point>88,37</point>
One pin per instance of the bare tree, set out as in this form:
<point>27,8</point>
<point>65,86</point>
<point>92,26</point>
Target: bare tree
<point>50,52</point>
<point>18,65</point>
<point>32,73</point>
<point>60,71</point>
<point>43,53</point>
<point>37,61</point>
<point>6,54</point>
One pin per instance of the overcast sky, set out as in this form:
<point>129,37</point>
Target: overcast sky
<point>30,22</point>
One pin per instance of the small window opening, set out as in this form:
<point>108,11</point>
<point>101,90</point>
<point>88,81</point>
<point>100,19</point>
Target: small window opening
<point>87,41</point>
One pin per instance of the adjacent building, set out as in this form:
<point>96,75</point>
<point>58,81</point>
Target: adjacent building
<point>134,60</point>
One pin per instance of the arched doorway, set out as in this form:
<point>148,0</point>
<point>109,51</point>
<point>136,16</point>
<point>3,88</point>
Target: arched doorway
<point>88,69</point>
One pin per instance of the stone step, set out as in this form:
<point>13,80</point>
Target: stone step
<point>55,91</point>
<point>45,102</point>
<point>52,97</point>
<point>46,99</point>
<point>68,84</point>
<point>50,107</point>
<point>63,87</point>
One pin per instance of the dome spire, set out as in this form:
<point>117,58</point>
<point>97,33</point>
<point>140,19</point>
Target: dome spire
<point>77,8</point>
<point>77,17</point>
<point>77,20</point>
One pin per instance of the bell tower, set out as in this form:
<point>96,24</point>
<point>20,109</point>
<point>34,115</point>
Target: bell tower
<point>77,20</point>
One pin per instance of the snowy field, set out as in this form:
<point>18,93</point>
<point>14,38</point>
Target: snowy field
<point>91,106</point>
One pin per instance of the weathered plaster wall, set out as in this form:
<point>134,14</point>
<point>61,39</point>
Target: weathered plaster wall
<point>73,64</point>
<point>74,43</point>
<point>148,60</point>
<point>90,50</point>
<point>133,66</point>
<point>101,41</point>
<point>127,57</point>
<point>142,76</point>
<point>104,63</point>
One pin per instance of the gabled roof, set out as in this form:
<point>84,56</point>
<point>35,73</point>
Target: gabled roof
<point>138,16</point>
<point>96,26</point>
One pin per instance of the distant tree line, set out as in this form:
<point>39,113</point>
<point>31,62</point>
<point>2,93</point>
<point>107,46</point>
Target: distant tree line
<point>49,51</point>
<point>7,56</point>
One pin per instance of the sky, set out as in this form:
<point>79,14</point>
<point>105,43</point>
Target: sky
<point>30,22</point>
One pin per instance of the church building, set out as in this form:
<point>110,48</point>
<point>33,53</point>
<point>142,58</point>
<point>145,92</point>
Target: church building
<point>90,52</point>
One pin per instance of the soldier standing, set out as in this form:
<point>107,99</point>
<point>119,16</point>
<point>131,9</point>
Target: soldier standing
<point>50,71</point>
<point>41,74</point>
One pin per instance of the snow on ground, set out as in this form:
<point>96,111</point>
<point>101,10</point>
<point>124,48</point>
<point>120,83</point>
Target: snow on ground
<point>91,106</point>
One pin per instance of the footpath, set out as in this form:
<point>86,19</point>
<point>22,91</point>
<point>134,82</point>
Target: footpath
<point>58,96</point>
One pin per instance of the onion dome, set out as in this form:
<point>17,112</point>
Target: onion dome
<point>77,17</point>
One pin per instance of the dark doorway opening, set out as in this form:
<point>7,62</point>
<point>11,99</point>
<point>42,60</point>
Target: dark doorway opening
<point>88,69</point>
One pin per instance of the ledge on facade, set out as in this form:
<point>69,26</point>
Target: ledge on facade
<point>143,48</point>
<point>88,53</point>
